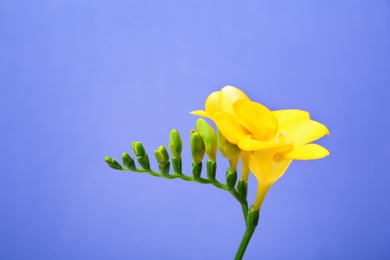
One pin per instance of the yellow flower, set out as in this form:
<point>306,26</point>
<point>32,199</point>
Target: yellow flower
<point>275,139</point>
<point>272,138</point>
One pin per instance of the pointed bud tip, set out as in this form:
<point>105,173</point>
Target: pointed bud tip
<point>138,149</point>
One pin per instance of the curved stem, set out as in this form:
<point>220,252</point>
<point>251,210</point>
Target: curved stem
<point>243,202</point>
<point>244,243</point>
<point>181,176</point>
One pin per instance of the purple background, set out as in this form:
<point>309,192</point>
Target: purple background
<point>83,79</point>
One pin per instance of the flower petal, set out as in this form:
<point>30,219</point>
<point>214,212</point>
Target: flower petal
<point>200,113</point>
<point>229,127</point>
<point>212,103</point>
<point>267,166</point>
<point>229,95</point>
<point>288,114</point>
<point>248,144</point>
<point>303,131</point>
<point>306,152</point>
<point>257,118</point>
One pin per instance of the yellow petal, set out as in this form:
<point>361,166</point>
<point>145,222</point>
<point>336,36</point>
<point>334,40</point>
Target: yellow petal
<point>288,114</point>
<point>303,131</point>
<point>212,103</point>
<point>200,113</point>
<point>257,118</point>
<point>229,95</point>
<point>260,164</point>
<point>229,127</point>
<point>306,152</point>
<point>248,144</point>
<point>279,167</point>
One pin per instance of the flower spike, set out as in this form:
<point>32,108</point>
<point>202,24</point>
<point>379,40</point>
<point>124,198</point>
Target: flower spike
<point>265,141</point>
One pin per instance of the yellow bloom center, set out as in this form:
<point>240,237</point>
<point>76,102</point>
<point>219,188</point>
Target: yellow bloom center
<point>282,137</point>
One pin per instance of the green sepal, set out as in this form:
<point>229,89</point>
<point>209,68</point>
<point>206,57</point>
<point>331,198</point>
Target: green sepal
<point>231,179</point>
<point>196,170</point>
<point>164,169</point>
<point>211,169</point>
<point>144,162</point>
<point>113,163</point>
<point>242,188</point>
<point>253,218</point>
<point>176,163</point>
<point>128,162</point>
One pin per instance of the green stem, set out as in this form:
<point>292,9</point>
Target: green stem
<point>251,224</point>
<point>243,202</point>
<point>244,243</point>
<point>236,195</point>
<point>181,176</point>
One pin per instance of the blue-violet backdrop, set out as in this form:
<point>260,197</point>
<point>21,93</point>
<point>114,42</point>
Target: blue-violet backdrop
<point>83,79</point>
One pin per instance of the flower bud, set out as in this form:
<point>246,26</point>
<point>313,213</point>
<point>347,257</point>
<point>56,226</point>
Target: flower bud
<point>142,157</point>
<point>138,149</point>
<point>175,144</point>
<point>197,146</point>
<point>112,163</point>
<point>209,138</point>
<point>128,161</point>
<point>162,157</point>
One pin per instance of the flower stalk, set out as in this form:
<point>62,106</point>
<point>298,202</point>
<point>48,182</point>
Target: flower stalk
<point>265,141</point>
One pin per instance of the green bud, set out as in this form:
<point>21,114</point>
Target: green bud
<point>112,163</point>
<point>197,146</point>
<point>209,137</point>
<point>231,179</point>
<point>142,157</point>
<point>128,161</point>
<point>138,149</point>
<point>211,169</point>
<point>162,157</point>
<point>228,150</point>
<point>175,144</point>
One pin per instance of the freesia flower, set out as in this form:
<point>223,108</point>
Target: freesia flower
<point>273,139</point>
